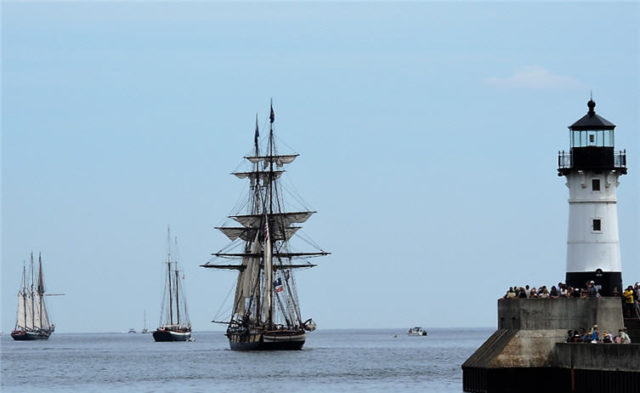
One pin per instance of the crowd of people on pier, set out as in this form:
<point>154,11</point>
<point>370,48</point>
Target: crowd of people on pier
<point>630,296</point>
<point>594,336</point>
<point>590,289</point>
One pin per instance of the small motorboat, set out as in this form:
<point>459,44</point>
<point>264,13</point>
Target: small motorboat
<point>417,331</point>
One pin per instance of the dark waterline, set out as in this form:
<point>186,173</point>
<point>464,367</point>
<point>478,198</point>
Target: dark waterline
<point>370,360</point>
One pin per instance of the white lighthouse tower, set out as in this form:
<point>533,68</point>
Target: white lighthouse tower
<point>592,169</point>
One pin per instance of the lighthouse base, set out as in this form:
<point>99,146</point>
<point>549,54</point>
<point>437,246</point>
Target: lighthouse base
<point>528,353</point>
<point>607,280</point>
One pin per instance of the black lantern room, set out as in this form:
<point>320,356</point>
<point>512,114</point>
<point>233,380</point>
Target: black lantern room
<point>592,146</point>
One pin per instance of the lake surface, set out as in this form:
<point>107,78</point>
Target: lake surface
<point>332,361</point>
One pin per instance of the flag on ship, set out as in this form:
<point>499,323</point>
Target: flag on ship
<point>277,284</point>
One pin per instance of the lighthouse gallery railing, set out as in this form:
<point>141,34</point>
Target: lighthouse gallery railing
<point>565,159</point>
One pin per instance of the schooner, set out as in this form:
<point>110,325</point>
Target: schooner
<point>265,311</point>
<point>32,319</point>
<point>174,319</point>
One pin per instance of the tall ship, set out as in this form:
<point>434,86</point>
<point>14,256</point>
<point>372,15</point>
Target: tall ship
<point>174,318</point>
<point>266,311</point>
<point>33,319</point>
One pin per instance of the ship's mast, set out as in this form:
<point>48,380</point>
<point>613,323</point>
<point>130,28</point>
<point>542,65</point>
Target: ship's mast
<point>268,263</point>
<point>33,310</point>
<point>40,289</point>
<point>271,154</point>
<point>177,280</point>
<point>256,208</point>
<point>169,276</point>
<point>265,231</point>
<point>24,293</point>
<point>177,296</point>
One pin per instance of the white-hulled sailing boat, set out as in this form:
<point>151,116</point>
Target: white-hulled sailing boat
<point>33,319</point>
<point>174,319</point>
<point>266,312</point>
<point>144,324</point>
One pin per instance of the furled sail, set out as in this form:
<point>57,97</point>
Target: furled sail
<point>173,310</point>
<point>40,287</point>
<point>40,319</point>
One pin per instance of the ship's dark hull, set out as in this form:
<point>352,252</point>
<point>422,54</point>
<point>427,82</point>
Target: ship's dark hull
<point>21,335</point>
<point>164,335</point>
<point>266,340</point>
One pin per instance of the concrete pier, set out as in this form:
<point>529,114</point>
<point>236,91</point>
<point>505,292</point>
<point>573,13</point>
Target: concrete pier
<point>528,352</point>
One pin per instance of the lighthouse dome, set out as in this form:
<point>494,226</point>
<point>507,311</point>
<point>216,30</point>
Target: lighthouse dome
<point>592,121</point>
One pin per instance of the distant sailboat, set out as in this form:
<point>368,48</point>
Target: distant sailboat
<point>144,325</point>
<point>266,311</point>
<point>174,319</point>
<point>33,319</point>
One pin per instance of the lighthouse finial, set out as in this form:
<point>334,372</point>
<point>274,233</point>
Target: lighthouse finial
<point>591,104</point>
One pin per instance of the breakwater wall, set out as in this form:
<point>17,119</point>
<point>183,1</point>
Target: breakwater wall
<point>528,352</point>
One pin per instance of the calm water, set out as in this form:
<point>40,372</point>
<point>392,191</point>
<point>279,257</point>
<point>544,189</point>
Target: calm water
<point>332,361</point>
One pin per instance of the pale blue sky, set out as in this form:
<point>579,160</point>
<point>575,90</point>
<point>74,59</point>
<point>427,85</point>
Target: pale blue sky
<point>428,135</point>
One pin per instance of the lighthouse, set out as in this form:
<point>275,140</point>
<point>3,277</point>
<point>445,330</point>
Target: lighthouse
<point>592,169</point>
<point>529,351</point>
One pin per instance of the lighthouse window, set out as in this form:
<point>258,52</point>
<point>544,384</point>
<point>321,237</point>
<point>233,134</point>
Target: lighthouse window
<point>595,184</point>
<point>592,138</point>
<point>608,138</point>
<point>597,225</point>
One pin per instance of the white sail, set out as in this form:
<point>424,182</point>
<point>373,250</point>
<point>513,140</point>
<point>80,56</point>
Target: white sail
<point>44,318</point>
<point>40,320</point>
<point>247,234</point>
<point>247,288</point>
<point>254,220</point>
<point>249,284</point>
<point>234,233</point>
<point>279,160</point>
<point>22,311</point>
<point>238,300</point>
<point>36,310</point>
<point>258,174</point>
<point>29,307</point>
